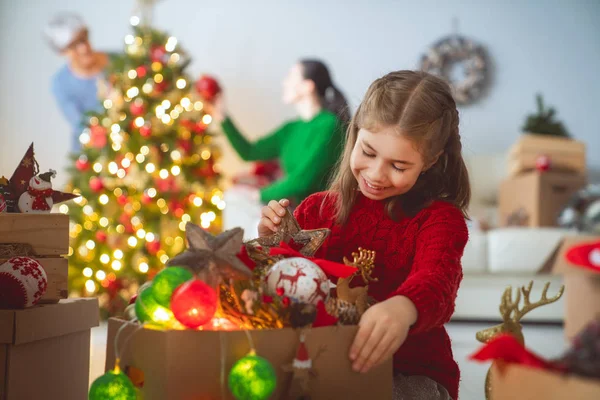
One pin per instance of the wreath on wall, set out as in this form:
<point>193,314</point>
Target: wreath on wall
<point>453,51</point>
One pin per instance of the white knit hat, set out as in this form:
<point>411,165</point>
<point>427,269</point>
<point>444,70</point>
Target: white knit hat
<point>62,29</point>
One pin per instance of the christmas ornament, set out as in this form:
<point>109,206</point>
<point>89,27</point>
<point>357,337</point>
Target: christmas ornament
<point>207,87</point>
<point>157,53</point>
<point>542,163</point>
<point>98,136</point>
<point>161,87</point>
<point>122,199</point>
<point>153,247</point>
<point>96,184</point>
<point>194,303</point>
<point>141,71</point>
<point>586,255</point>
<point>212,257</point>
<point>38,197</point>
<point>301,280</point>
<point>137,107</point>
<point>583,358</point>
<point>302,370</point>
<point>113,385</point>
<point>101,237</point>
<point>2,204</point>
<point>583,211</point>
<point>82,164</point>
<point>147,309</point>
<point>23,282</point>
<point>145,131</point>
<point>252,377</point>
<point>166,281</point>
<point>512,315</point>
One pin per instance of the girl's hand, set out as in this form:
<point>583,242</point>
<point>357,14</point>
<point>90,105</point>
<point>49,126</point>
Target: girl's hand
<point>271,217</point>
<point>216,108</point>
<point>381,331</point>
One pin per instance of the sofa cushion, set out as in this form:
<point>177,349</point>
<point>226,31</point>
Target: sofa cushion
<point>475,256</point>
<point>522,250</point>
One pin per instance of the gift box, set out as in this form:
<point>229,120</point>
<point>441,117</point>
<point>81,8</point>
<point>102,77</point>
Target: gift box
<point>564,155</point>
<point>519,382</point>
<point>189,364</point>
<point>44,237</point>
<point>582,283</point>
<point>45,350</point>
<point>536,198</point>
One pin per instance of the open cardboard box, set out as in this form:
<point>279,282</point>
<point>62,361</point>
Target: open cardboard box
<point>45,350</point>
<point>517,382</point>
<point>186,364</point>
<point>582,287</point>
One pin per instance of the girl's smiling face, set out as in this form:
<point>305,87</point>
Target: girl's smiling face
<point>385,163</point>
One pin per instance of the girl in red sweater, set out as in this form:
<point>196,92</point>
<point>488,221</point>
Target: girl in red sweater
<point>402,190</point>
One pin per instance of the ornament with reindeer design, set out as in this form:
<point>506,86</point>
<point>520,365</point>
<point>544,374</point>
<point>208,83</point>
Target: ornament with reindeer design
<point>299,279</point>
<point>352,302</point>
<point>511,317</point>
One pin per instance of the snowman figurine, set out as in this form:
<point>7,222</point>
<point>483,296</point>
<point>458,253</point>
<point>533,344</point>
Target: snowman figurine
<point>38,197</point>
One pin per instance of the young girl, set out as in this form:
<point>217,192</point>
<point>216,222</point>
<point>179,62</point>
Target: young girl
<point>402,190</point>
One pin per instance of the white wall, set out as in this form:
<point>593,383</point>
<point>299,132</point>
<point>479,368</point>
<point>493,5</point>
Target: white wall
<point>548,46</point>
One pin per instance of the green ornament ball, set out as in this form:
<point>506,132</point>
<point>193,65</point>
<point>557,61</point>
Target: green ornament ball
<point>114,386</point>
<point>166,281</point>
<point>252,378</point>
<point>147,308</point>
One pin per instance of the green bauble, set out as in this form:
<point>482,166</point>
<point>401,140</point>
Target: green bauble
<point>147,309</point>
<point>252,378</point>
<point>114,386</point>
<point>166,281</point>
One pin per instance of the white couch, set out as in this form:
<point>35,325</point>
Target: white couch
<point>492,260</point>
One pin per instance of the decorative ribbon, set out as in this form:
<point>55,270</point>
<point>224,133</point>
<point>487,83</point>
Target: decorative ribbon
<point>39,198</point>
<point>330,267</point>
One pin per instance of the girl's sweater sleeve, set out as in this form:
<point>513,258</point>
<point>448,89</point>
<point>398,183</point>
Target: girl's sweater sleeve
<point>434,280</point>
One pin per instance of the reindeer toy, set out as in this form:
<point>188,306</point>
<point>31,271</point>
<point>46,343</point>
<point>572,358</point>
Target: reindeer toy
<point>351,303</point>
<point>512,315</point>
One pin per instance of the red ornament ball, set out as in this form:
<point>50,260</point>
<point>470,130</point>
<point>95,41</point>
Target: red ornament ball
<point>153,247</point>
<point>146,199</point>
<point>194,303</point>
<point>207,87</point>
<point>137,108</point>
<point>161,87</point>
<point>157,53</point>
<point>82,164</point>
<point>542,163</point>
<point>96,184</point>
<point>141,71</point>
<point>145,131</point>
<point>101,236</point>
<point>23,282</point>
<point>98,136</point>
<point>122,199</point>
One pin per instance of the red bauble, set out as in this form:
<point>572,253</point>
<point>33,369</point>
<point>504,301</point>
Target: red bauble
<point>141,71</point>
<point>101,236</point>
<point>194,303</point>
<point>137,108</point>
<point>96,184</point>
<point>82,164</point>
<point>207,87</point>
<point>23,282</point>
<point>145,131</point>
<point>186,145</point>
<point>146,199</point>
<point>157,53</point>
<point>153,247</point>
<point>98,136</point>
<point>132,299</point>
<point>161,87</point>
<point>166,185</point>
<point>122,199</point>
<point>542,163</point>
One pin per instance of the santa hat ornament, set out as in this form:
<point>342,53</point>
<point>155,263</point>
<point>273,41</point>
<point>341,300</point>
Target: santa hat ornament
<point>586,255</point>
<point>23,282</point>
<point>302,360</point>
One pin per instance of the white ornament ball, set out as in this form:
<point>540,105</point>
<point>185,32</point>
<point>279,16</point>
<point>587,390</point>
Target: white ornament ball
<point>299,279</point>
<point>23,282</point>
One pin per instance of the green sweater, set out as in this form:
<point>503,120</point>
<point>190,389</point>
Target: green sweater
<point>307,151</point>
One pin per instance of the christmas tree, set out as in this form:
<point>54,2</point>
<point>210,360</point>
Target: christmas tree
<point>148,165</point>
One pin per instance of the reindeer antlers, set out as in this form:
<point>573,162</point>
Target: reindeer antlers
<point>508,306</point>
<point>364,260</point>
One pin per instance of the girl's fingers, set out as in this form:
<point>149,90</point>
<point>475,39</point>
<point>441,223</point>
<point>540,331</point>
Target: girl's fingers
<point>277,208</point>
<point>269,212</point>
<point>365,329</point>
<point>268,223</point>
<point>371,343</point>
<point>381,352</point>
<point>284,202</point>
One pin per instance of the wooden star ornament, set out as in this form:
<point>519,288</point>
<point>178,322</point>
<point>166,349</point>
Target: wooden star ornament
<point>212,257</point>
<point>289,232</point>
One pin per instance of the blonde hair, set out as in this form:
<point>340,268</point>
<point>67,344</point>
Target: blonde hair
<point>420,106</point>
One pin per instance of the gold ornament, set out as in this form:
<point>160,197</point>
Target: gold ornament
<point>511,317</point>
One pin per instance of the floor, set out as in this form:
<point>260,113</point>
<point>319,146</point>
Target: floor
<point>544,340</point>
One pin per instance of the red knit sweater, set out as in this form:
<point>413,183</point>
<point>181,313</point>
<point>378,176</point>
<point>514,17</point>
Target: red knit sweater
<point>416,257</point>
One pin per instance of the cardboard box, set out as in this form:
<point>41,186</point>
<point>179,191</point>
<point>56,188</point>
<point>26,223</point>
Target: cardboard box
<point>46,237</point>
<point>566,155</point>
<point>517,382</point>
<point>582,288</point>
<point>536,198</point>
<point>45,350</point>
<point>181,365</point>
